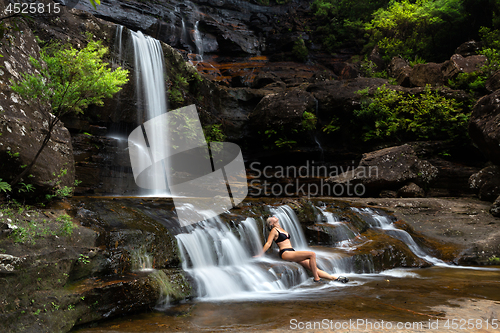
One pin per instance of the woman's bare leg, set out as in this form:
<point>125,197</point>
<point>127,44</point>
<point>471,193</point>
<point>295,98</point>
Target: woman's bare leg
<point>298,256</point>
<point>321,273</point>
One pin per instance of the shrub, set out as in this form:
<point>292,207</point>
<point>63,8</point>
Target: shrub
<point>393,115</point>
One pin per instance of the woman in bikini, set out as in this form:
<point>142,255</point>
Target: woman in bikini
<point>305,258</point>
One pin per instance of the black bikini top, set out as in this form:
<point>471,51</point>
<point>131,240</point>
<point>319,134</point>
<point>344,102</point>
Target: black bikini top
<point>281,236</point>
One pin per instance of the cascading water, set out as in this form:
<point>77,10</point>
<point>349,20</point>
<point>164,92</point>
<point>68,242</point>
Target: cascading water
<point>344,234</point>
<point>198,41</point>
<point>150,82</point>
<point>223,267</point>
<point>330,262</point>
<point>384,223</point>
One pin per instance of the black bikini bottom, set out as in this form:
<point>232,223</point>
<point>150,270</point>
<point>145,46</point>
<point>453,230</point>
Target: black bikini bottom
<point>284,250</point>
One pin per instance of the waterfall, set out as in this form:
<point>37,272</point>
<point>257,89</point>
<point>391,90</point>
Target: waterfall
<point>343,232</point>
<point>150,82</point>
<point>198,41</point>
<point>141,260</point>
<point>222,265</point>
<point>330,262</point>
<point>377,220</point>
<point>118,47</point>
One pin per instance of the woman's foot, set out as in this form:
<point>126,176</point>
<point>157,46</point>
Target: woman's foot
<point>342,279</point>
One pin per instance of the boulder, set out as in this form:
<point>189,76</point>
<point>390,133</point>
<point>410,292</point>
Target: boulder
<point>411,190</point>
<point>24,123</point>
<point>399,69</point>
<point>282,109</point>
<point>483,126</point>
<point>495,208</point>
<point>493,83</point>
<point>458,64</point>
<point>468,48</point>
<point>265,78</point>
<point>341,96</point>
<point>424,74</point>
<point>376,58</point>
<point>487,183</point>
<point>388,169</point>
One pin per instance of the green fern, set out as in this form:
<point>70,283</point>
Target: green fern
<point>4,186</point>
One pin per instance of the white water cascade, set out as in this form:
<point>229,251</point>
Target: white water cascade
<point>343,232</point>
<point>223,267</point>
<point>331,262</point>
<point>384,223</point>
<point>151,94</point>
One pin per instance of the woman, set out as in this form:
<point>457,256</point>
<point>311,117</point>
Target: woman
<point>305,258</point>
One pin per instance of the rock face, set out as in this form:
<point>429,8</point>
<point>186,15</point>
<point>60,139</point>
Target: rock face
<point>24,123</point>
<point>458,64</point>
<point>282,109</point>
<point>388,168</point>
<point>432,73</point>
<point>96,272</point>
<point>399,69</point>
<point>424,74</point>
<point>495,208</point>
<point>483,126</point>
<point>493,83</point>
<point>487,183</point>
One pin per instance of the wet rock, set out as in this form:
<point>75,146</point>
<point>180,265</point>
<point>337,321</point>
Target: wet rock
<point>399,69</point>
<point>427,74</point>
<point>411,190</point>
<point>495,208</point>
<point>483,126</point>
<point>387,169</point>
<point>387,252</point>
<point>487,183</point>
<point>9,262</point>
<point>493,83</point>
<point>458,64</point>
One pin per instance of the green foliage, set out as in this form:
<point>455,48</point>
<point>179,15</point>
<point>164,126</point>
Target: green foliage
<point>67,226</point>
<point>299,50</point>
<point>341,22</point>
<point>309,121</point>
<point>390,114</point>
<point>25,188</point>
<point>27,224</point>
<point>72,80</point>
<point>179,85</point>
<point>214,133</point>
<point>4,186</point>
<point>422,28</point>
<point>84,260</point>
<point>284,143</point>
<point>333,126</point>
<point>369,69</point>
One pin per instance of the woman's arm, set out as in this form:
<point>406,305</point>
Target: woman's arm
<point>269,242</point>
